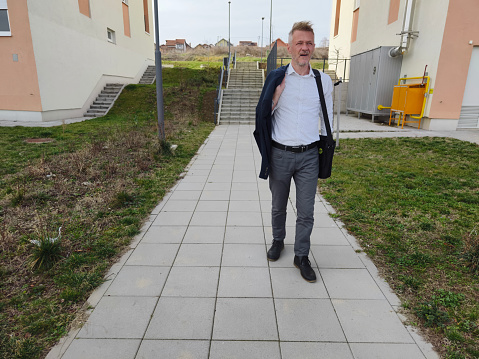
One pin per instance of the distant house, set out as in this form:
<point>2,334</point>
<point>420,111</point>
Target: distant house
<point>56,56</point>
<point>223,43</point>
<point>280,43</point>
<point>248,43</point>
<point>179,45</point>
<point>203,46</point>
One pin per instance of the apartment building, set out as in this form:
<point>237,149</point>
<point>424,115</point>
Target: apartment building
<point>438,38</point>
<point>57,55</point>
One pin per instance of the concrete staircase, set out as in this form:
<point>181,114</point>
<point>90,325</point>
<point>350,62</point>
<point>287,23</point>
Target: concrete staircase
<point>332,74</point>
<point>104,101</point>
<point>149,76</point>
<point>239,99</point>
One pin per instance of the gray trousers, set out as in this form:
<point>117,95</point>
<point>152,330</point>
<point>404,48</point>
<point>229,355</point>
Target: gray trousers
<point>303,168</point>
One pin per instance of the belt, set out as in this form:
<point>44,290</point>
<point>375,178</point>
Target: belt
<point>295,149</point>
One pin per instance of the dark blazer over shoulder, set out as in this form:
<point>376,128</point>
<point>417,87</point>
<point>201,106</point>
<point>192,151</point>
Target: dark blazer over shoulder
<point>263,128</point>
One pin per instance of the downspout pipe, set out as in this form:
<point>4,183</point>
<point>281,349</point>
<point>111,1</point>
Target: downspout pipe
<point>406,32</point>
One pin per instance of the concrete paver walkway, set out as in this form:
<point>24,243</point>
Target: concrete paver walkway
<point>196,282</point>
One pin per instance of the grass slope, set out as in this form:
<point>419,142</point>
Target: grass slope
<point>414,206</point>
<point>99,181</point>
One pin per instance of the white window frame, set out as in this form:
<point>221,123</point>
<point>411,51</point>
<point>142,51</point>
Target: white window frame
<point>3,6</point>
<point>111,38</point>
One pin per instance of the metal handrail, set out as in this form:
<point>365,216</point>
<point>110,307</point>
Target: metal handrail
<point>272,61</point>
<point>219,91</point>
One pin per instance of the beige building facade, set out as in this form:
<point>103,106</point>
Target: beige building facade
<point>59,54</point>
<point>441,39</point>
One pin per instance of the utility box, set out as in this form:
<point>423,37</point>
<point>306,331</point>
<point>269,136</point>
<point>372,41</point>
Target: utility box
<point>408,100</point>
<point>372,78</point>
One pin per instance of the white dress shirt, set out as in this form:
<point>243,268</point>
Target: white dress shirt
<point>296,115</point>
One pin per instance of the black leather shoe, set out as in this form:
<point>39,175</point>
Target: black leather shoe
<point>275,250</point>
<point>304,266</point>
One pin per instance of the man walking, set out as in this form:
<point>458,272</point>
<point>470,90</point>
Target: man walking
<point>287,134</point>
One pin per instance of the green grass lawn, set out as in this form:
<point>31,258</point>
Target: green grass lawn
<point>414,206</point>
<point>98,180</point>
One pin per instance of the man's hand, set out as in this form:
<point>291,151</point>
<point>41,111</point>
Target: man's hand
<point>277,93</point>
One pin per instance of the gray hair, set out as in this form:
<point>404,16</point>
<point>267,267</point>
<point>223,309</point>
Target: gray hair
<point>300,26</point>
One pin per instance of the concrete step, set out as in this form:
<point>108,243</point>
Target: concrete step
<point>104,100</point>
<point>232,121</point>
<point>96,113</point>
<point>240,104</point>
<point>233,99</point>
<point>244,78</point>
<point>240,96</point>
<point>240,101</point>
<point>236,107</point>
<point>99,107</point>
<point>246,65</point>
<point>106,96</point>
<point>148,76</point>
<point>89,114</point>
<point>238,86</point>
<point>101,102</point>
<point>109,91</point>
<point>241,91</point>
<point>239,114</point>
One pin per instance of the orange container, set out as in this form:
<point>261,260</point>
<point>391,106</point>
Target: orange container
<point>407,100</point>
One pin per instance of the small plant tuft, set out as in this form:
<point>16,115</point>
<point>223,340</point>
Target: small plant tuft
<point>122,199</point>
<point>18,196</point>
<point>165,148</point>
<point>471,251</point>
<point>448,299</point>
<point>46,252</point>
<point>432,314</point>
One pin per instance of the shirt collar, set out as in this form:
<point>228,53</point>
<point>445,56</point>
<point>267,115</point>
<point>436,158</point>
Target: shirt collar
<point>290,71</point>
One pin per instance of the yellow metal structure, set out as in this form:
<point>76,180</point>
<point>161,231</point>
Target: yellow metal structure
<point>409,100</point>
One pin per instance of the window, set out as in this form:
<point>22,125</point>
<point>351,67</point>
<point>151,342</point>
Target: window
<point>354,30</point>
<point>126,18</point>
<point>111,35</point>
<point>393,11</point>
<point>146,16</point>
<point>336,20</point>
<point>4,20</point>
<point>84,6</point>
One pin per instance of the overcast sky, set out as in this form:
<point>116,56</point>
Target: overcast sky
<point>206,21</point>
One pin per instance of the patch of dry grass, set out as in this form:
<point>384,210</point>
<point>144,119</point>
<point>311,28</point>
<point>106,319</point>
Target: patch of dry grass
<point>98,180</point>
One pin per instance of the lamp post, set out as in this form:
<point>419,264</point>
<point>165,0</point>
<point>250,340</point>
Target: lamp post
<point>229,31</point>
<point>159,79</point>
<point>262,23</point>
<point>270,24</point>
